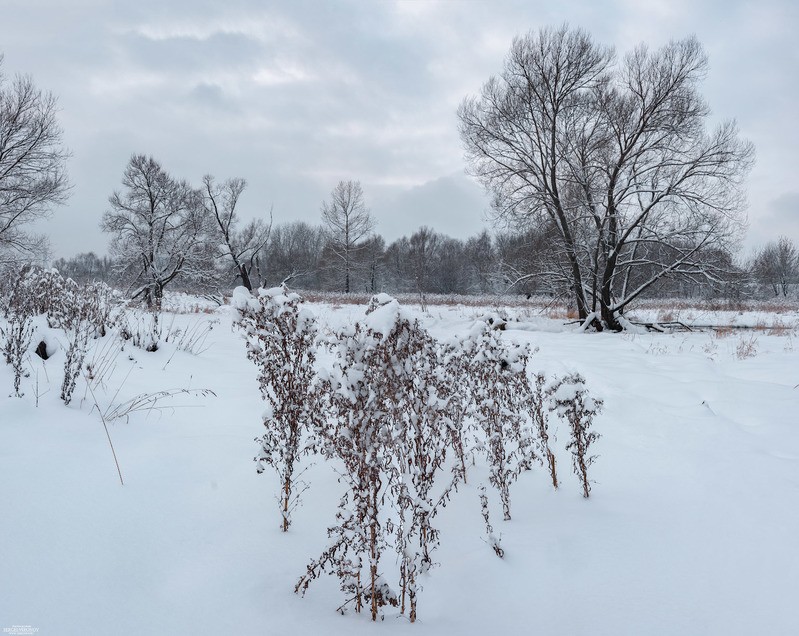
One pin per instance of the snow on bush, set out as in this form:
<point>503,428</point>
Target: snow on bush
<point>81,312</point>
<point>16,334</point>
<point>500,394</point>
<point>281,341</point>
<point>397,412</point>
<point>387,409</point>
<point>571,401</point>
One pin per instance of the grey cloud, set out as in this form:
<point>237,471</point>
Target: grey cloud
<point>454,205</point>
<point>186,54</point>
<point>781,218</point>
<point>295,96</point>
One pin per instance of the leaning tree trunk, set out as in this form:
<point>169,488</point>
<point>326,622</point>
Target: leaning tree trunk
<point>609,318</point>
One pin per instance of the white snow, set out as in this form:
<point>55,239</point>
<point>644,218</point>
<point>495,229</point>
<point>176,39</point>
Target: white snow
<point>691,527</point>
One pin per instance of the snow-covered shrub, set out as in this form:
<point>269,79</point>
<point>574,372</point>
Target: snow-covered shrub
<point>17,334</point>
<point>281,341</point>
<point>78,320</point>
<point>420,403</point>
<point>81,311</point>
<point>387,427</point>
<point>38,291</point>
<point>100,303</point>
<point>42,291</point>
<point>500,392</point>
<point>454,371</point>
<point>359,435</point>
<point>572,402</point>
<point>140,327</point>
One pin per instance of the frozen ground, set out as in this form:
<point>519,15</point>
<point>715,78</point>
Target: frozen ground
<point>691,528</point>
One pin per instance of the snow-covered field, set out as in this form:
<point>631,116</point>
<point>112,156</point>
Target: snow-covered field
<point>692,526</point>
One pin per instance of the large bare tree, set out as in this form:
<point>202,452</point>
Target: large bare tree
<point>615,156</point>
<point>347,222</point>
<point>33,177</point>
<point>239,246</point>
<point>158,228</point>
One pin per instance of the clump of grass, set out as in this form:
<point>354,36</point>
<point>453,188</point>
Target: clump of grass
<point>746,347</point>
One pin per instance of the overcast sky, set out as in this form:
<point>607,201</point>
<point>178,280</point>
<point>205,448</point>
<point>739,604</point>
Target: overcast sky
<point>297,95</point>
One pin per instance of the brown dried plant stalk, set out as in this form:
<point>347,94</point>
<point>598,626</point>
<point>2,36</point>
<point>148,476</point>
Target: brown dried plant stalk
<point>281,341</point>
<point>571,400</point>
<point>539,413</point>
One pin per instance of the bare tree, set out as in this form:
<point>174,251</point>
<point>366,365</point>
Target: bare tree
<point>348,222</point>
<point>480,256</point>
<point>428,262</point>
<point>373,251</point>
<point>239,246</point>
<point>777,265</point>
<point>158,229</point>
<point>423,248</point>
<point>615,156</point>
<point>33,177</point>
<point>451,267</point>
<point>292,255</point>
<point>86,267</point>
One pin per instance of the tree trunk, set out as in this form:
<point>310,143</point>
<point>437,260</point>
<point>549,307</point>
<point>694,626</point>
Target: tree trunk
<point>286,497</point>
<point>158,297</point>
<point>245,277</point>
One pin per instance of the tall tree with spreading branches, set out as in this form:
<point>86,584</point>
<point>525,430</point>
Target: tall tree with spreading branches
<point>33,176</point>
<point>158,229</point>
<point>615,156</point>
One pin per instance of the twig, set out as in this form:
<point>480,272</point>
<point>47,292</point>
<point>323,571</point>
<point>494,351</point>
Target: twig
<point>107,434</point>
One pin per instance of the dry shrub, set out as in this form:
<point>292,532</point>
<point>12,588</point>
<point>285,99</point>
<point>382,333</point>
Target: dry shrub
<point>746,347</point>
<point>539,416</point>
<point>496,374</point>
<point>81,311</point>
<point>78,325</point>
<point>281,341</point>
<point>722,332</point>
<point>386,425</point>
<point>388,410</point>
<point>570,399</point>
<point>17,335</point>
